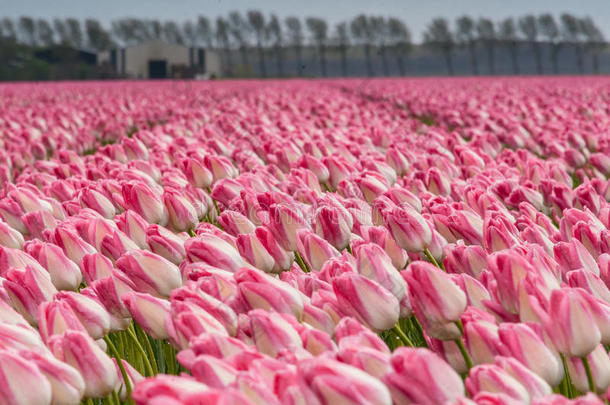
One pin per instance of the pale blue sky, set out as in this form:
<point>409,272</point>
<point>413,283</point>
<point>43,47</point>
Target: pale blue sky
<point>415,13</point>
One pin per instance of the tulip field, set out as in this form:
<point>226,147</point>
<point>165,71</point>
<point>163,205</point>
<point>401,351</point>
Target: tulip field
<point>306,242</point>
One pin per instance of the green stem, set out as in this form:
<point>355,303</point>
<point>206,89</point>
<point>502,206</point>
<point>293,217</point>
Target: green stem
<point>89,401</point>
<point>135,340</point>
<point>431,258</point>
<point>585,362</point>
<point>119,362</point>
<point>301,262</point>
<point>568,392</point>
<point>115,398</point>
<point>349,249</point>
<point>149,348</point>
<point>465,354</point>
<point>403,337</point>
<point>191,233</point>
<point>327,187</point>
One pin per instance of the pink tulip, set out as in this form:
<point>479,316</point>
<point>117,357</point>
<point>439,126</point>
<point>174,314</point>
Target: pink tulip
<point>216,308</point>
<point>420,376</point>
<point>80,351</point>
<point>272,334</point>
<point>94,267</point>
<point>373,263</point>
<point>165,243</point>
<point>331,380</point>
<point>67,385</point>
<point>146,202</point>
<point>150,273</point>
<point>356,295</point>
<point>20,377</point>
<point>73,246</point>
<point>89,312</point>
<point>534,384</point>
<point>91,198</point>
<point>482,341</point>
<point>460,258</point>
<point>149,312</point>
<point>65,275</point>
<point>285,222</point>
<point>314,250</point>
<point>197,174</point>
<point>212,250</point>
<point>599,362</point>
<point>282,259</point>
<point>334,224</point>
<point>181,213</point>
<point>27,289</point>
<point>408,228</point>
<point>524,344</point>
<point>235,223</point>
<point>188,320</point>
<point>570,324</point>
<point>55,318</point>
<point>134,226</point>
<point>437,301</point>
<point>251,249</point>
<point>493,379</point>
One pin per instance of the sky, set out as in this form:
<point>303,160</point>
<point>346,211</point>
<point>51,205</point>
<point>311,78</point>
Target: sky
<point>415,13</point>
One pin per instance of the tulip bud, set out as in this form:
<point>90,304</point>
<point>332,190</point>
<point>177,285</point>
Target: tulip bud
<point>408,228</point>
<point>422,377</point>
<point>570,323</point>
<point>95,266</point>
<point>67,385</point>
<point>143,200</point>
<point>372,361</point>
<point>599,363</point>
<point>235,223</point>
<point>535,386</point>
<point>55,318</point>
<point>493,379</point>
<point>216,308</point>
<point>220,166</point>
<point>27,289</point>
<point>80,351</point>
<point>253,251</point>
<point>90,313</point>
<point>285,222</point>
<point>23,382</point>
<point>212,250</point>
<point>314,250</point>
<point>91,198</point>
<point>437,301</point>
<point>182,215</point>
<point>134,226</point>
<point>272,334</point>
<point>334,224</point>
<point>187,320</point>
<point>460,258</point>
<point>150,273</point>
<point>216,373</point>
<point>482,341</point>
<point>65,275</point>
<point>198,175</point>
<point>73,245</point>
<point>166,244</point>
<point>36,222</point>
<point>282,258</point>
<point>373,263</point>
<point>149,312</point>
<point>133,376</point>
<point>367,301</point>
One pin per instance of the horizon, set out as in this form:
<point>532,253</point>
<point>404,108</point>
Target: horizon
<point>415,14</point>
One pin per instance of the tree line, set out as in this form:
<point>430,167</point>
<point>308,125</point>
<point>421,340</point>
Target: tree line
<point>270,38</point>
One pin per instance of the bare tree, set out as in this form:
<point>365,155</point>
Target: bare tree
<point>295,38</point>
<point>571,33</point>
<point>275,34</point>
<point>487,35</point>
<point>529,28</point>
<point>154,29</point>
<point>594,38</point>
<point>223,42</point>
<point>189,31</point>
<point>172,33</point>
<point>27,30</point>
<point>257,21</point>
<point>400,38</point>
<point>240,31</point>
<point>97,37</point>
<point>364,34</point>
<point>61,29</point>
<point>75,32</point>
<point>507,33</point>
<point>319,32</point>
<point>549,28</point>
<point>342,42</point>
<point>204,30</point>
<point>8,29</point>
<point>380,28</point>
<point>439,36</point>
<point>465,36</point>
<point>44,32</point>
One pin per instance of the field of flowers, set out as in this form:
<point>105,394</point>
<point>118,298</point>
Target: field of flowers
<point>305,242</point>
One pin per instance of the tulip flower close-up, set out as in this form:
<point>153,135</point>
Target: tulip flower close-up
<point>305,242</point>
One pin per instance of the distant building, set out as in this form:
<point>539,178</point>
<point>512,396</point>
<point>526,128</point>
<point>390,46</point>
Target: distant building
<point>160,60</point>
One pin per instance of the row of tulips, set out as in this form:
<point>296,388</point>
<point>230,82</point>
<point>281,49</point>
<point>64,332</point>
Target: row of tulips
<point>304,242</point>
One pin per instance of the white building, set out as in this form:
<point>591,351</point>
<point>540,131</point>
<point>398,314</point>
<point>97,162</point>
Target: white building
<point>158,60</point>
